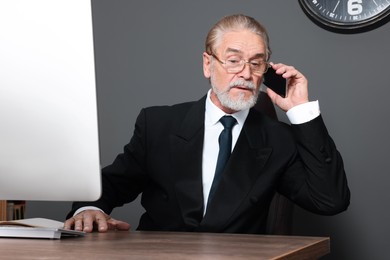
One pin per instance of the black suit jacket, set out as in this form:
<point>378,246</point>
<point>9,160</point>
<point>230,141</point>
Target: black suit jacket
<point>163,161</point>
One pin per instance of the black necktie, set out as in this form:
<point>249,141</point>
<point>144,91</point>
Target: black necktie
<point>225,148</point>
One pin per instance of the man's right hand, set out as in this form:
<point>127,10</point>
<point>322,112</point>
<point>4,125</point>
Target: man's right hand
<point>90,220</point>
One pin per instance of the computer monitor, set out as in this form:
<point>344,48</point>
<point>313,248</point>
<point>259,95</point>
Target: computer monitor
<point>49,145</point>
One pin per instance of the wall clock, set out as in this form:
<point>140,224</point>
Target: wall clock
<point>347,16</point>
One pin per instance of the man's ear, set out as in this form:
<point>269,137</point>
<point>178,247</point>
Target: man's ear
<point>206,65</point>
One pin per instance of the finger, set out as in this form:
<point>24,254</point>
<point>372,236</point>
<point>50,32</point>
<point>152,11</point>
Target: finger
<point>118,225</point>
<point>287,72</point>
<point>284,70</point>
<point>276,66</point>
<point>277,100</point>
<point>101,220</point>
<point>69,224</point>
<point>123,226</point>
<point>272,95</point>
<point>78,222</point>
<point>87,221</point>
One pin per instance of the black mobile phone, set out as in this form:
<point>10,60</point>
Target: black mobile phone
<point>275,82</point>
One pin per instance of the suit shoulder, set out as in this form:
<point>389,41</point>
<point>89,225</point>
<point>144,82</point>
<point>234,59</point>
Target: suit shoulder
<point>174,114</point>
<point>179,106</point>
<point>169,110</point>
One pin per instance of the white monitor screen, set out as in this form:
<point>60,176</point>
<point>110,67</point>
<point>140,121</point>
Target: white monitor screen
<point>49,148</point>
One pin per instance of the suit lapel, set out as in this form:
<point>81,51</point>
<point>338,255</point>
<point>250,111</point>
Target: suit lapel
<point>186,149</point>
<point>248,158</point>
<point>244,166</point>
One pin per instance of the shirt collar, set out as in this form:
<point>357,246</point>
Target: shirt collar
<point>214,113</point>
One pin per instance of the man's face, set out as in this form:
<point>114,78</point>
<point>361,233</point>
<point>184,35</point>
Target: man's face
<point>234,91</point>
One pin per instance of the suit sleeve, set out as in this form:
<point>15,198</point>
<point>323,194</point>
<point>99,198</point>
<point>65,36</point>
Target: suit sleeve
<point>125,178</point>
<point>315,179</point>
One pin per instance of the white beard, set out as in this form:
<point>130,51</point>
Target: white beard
<point>239,103</point>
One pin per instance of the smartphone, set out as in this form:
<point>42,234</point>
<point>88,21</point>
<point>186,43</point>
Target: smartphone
<point>275,82</point>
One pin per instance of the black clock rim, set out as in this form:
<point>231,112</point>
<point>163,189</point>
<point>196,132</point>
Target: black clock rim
<point>338,27</point>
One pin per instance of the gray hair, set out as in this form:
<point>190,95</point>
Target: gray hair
<point>232,23</point>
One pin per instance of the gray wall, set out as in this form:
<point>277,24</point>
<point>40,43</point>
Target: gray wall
<point>149,53</point>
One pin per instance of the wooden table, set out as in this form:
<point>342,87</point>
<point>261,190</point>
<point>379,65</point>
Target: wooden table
<point>166,245</point>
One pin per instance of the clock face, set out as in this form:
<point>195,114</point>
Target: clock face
<point>347,15</point>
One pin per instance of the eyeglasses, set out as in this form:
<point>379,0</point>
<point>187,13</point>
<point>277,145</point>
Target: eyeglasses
<point>236,64</point>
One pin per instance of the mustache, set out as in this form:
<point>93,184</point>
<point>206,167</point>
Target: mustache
<point>242,83</point>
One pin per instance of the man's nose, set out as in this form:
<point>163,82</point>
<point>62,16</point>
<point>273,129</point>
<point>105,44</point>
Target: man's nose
<point>246,71</point>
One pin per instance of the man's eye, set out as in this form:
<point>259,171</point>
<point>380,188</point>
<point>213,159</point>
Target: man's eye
<point>255,63</point>
<point>233,61</point>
